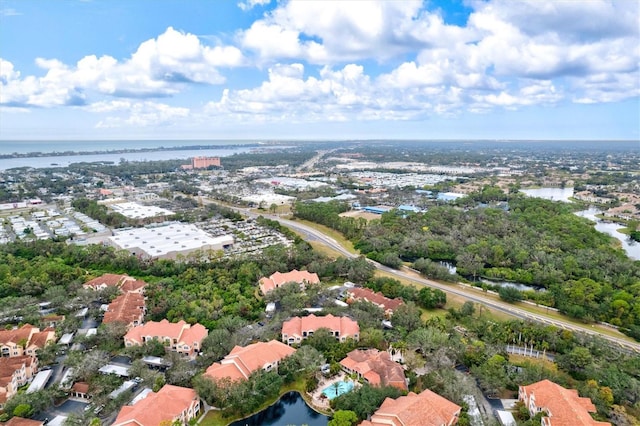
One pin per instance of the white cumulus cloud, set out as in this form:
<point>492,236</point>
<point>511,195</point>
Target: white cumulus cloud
<point>159,67</point>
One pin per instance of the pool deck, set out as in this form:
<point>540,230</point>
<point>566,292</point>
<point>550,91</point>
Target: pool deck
<point>320,400</point>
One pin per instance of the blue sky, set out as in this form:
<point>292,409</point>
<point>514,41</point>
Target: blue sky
<point>260,69</point>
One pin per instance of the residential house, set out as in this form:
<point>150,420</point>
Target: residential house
<point>299,328</point>
<point>14,373</point>
<point>170,405</point>
<point>180,337</point>
<point>242,361</point>
<point>424,409</point>
<point>128,308</point>
<point>376,367</point>
<point>25,340</point>
<point>562,406</point>
<point>125,283</point>
<point>378,299</point>
<point>277,279</point>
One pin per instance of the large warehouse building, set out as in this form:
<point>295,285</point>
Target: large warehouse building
<point>168,241</point>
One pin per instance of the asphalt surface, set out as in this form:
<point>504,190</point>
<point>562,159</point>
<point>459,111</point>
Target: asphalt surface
<point>309,233</point>
<point>470,293</point>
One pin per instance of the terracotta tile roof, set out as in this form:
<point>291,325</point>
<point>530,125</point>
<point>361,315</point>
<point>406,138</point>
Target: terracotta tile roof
<point>375,298</point>
<point>80,387</point>
<point>564,406</point>
<point>126,308</point>
<point>166,405</point>
<point>184,333</point>
<point>376,367</point>
<point>424,409</point>
<point>41,338</point>
<point>278,278</point>
<point>132,285</point>
<point>8,367</point>
<point>242,361</point>
<point>19,421</point>
<point>124,282</point>
<point>346,327</point>
<point>17,334</point>
<point>106,280</point>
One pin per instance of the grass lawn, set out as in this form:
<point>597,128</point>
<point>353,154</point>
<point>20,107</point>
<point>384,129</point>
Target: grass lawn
<point>331,233</point>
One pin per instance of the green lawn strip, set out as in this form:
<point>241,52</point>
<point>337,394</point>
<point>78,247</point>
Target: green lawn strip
<point>348,245</point>
<point>542,310</point>
<point>215,417</point>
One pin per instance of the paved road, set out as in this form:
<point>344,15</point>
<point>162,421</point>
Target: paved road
<point>459,290</point>
<point>469,293</point>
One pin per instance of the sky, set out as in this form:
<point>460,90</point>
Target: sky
<point>261,69</point>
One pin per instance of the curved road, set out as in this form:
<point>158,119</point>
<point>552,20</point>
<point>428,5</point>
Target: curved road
<point>312,234</point>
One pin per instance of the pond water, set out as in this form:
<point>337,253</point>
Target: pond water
<point>554,194</point>
<point>518,286</point>
<point>290,410</point>
<point>631,247</point>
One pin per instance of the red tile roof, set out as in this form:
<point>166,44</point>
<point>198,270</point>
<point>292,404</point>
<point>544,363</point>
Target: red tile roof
<point>346,327</point>
<point>19,421</point>
<point>17,334</point>
<point>376,367</point>
<point>278,278</point>
<point>424,409</point>
<point>564,406</point>
<point>29,334</point>
<point>242,361</point>
<point>184,333</point>
<point>375,298</point>
<point>126,308</point>
<point>168,404</point>
<point>124,282</point>
<point>80,387</point>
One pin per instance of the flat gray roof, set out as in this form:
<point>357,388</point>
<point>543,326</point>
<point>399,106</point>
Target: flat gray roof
<point>39,381</point>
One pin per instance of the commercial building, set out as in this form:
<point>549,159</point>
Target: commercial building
<point>424,409</point>
<point>170,405</point>
<point>279,278</point>
<point>179,337</point>
<point>562,406</point>
<point>375,367</point>
<point>137,211</point>
<point>168,241</point>
<point>205,162</point>
<point>242,361</point>
<point>299,328</point>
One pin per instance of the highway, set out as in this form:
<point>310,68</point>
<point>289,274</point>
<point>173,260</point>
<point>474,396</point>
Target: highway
<point>469,293</point>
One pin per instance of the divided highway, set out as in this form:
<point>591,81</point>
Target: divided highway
<point>311,234</point>
<point>476,296</point>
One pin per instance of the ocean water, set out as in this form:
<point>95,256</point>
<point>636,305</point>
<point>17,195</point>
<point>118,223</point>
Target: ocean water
<point>64,153</point>
<point>25,147</point>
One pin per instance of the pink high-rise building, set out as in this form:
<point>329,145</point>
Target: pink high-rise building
<point>204,162</point>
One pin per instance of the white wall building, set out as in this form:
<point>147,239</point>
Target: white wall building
<point>168,241</point>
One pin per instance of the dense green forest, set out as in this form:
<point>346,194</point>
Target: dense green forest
<point>533,241</point>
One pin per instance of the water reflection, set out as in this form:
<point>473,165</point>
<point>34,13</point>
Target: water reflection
<point>554,194</point>
<point>290,409</point>
<point>631,247</point>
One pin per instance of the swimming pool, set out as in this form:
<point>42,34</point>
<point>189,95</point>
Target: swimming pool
<point>332,391</point>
